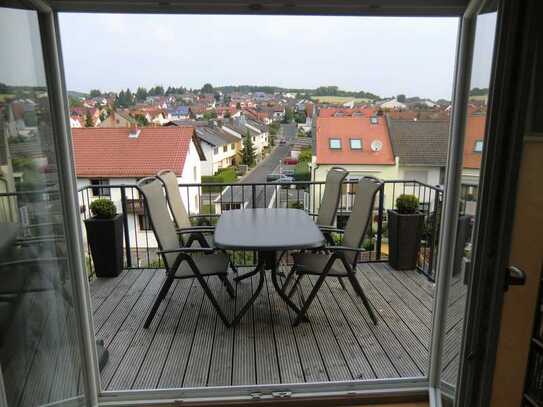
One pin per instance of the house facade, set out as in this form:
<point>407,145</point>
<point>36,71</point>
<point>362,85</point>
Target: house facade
<point>118,119</point>
<point>122,156</point>
<point>221,148</point>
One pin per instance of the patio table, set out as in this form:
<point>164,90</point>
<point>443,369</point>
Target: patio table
<point>267,231</point>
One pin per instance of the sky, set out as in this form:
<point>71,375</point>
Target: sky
<point>386,56</point>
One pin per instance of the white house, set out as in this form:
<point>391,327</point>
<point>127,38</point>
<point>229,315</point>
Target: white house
<point>220,148</point>
<point>392,104</point>
<point>258,132</point>
<point>106,158</point>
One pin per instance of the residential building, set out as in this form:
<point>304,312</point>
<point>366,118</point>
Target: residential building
<point>392,104</point>
<point>178,113</point>
<point>221,148</point>
<point>118,119</point>
<point>241,126</point>
<point>117,156</point>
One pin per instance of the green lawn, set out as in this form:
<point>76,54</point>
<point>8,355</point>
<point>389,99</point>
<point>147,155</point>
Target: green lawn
<point>4,96</point>
<point>339,99</point>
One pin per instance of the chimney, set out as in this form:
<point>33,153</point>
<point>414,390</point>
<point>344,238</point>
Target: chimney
<point>134,132</point>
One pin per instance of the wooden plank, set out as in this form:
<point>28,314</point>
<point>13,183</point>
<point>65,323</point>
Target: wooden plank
<point>313,366</point>
<point>132,360</point>
<point>111,314</point>
<point>129,329</point>
<point>267,367</point>
<point>288,357</point>
<point>411,301</point>
<point>153,362</point>
<point>418,278</point>
<point>243,360</point>
<point>357,361</point>
<point>414,287</point>
<point>176,361</point>
<point>380,345</point>
<point>330,351</point>
<point>200,355</point>
<point>411,344</point>
<point>220,369</point>
<point>102,288</point>
<point>412,320</point>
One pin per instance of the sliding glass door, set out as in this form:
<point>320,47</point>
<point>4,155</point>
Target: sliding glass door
<point>40,352</point>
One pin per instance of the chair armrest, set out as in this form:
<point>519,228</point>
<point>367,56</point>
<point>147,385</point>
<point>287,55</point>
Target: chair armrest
<point>345,248</point>
<point>196,229</point>
<point>188,250</point>
<point>330,229</point>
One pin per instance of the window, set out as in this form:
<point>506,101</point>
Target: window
<point>143,221</point>
<point>216,150</point>
<point>253,138</point>
<point>478,146</point>
<point>356,144</point>
<point>224,148</point>
<point>232,146</point>
<point>374,120</point>
<point>96,191</point>
<point>334,143</point>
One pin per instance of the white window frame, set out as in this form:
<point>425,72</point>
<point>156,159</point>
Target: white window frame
<point>331,140</point>
<point>48,19</point>
<point>355,140</point>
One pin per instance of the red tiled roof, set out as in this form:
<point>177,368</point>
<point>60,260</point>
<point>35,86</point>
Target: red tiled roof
<point>109,152</point>
<point>346,128</point>
<point>345,111</point>
<point>475,130</point>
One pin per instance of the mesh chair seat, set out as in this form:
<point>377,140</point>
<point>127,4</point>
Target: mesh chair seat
<point>314,263</point>
<point>207,264</point>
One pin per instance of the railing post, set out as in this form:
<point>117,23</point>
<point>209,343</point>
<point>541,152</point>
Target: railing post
<point>435,228</point>
<point>380,223</point>
<point>253,195</point>
<point>128,253</point>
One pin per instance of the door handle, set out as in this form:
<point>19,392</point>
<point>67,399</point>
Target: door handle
<point>514,276</point>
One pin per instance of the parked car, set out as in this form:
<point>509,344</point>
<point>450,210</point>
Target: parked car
<point>272,177</point>
<point>285,180</point>
<point>290,161</point>
<point>282,141</point>
<point>288,172</point>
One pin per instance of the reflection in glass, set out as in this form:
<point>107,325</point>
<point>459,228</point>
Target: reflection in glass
<point>473,150</point>
<point>39,355</point>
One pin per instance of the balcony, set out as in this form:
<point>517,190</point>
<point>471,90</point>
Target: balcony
<point>187,345</point>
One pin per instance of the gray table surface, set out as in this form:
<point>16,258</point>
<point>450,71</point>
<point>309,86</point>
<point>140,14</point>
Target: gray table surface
<point>267,229</point>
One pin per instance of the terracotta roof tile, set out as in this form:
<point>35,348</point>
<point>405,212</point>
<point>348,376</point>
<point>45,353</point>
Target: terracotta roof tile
<point>109,152</point>
<point>475,131</point>
<point>346,128</point>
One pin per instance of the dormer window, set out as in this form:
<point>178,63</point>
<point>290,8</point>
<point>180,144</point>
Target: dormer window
<point>356,144</point>
<point>334,143</point>
<point>478,146</point>
<point>374,120</point>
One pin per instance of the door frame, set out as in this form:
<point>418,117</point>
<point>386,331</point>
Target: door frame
<point>49,28</point>
<point>510,84</point>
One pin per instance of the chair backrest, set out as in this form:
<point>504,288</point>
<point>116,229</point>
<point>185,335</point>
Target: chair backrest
<point>331,196</point>
<point>177,207</point>
<point>360,217</point>
<point>159,217</point>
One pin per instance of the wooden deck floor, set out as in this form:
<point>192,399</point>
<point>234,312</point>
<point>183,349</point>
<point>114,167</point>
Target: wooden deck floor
<point>188,346</point>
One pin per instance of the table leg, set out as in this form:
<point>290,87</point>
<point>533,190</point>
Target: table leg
<point>260,268</point>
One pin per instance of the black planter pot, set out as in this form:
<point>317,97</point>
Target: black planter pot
<point>105,238</point>
<point>404,235</point>
<point>462,237</point>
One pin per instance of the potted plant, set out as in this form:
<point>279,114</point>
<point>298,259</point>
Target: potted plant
<point>405,227</point>
<point>105,237</point>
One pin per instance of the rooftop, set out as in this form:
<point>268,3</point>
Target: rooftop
<point>110,152</point>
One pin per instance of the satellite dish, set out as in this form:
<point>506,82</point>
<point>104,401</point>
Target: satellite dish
<point>376,145</point>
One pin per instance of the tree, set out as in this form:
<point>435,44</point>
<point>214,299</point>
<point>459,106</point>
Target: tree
<point>305,155</point>
<point>88,120</point>
<point>248,156</point>
<point>401,98</point>
<point>289,115</point>
<point>141,94</point>
<point>207,88</point>
<point>156,91</point>
<point>95,93</point>
<point>210,114</point>
<point>103,115</point>
<point>141,120</point>
<point>74,102</point>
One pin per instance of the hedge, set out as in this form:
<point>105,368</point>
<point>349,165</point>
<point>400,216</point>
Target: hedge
<point>222,176</point>
<point>301,172</point>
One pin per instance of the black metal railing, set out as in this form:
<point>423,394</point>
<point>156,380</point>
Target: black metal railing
<point>206,202</point>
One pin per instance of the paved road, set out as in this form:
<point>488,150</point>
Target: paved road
<point>263,194</point>
<point>271,162</point>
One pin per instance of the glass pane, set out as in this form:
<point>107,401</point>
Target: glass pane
<point>39,354</point>
<point>473,150</point>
